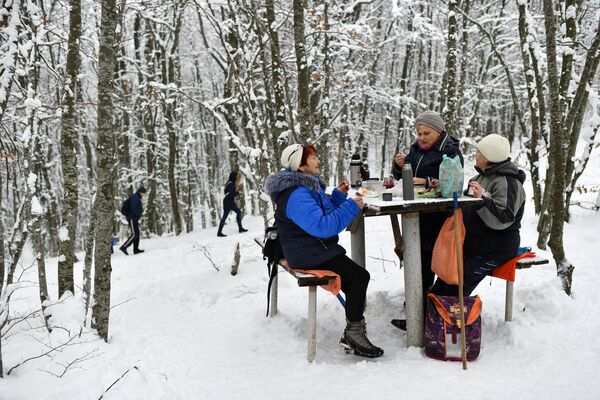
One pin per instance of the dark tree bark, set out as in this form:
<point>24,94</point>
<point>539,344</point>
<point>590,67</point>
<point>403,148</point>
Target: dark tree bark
<point>104,204</point>
<point>172,65</point>
<point>556,155</point>
<point>69,147</point>
<point>2,263</point>
<point>302,70</point>
<point>87,268</point>
<point>532,153</point>
<point>449,108</point>
<point>574,117</point>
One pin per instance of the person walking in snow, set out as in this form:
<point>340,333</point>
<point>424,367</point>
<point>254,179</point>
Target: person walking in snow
<point>492,230</point>
<point>133,209</point>
<point>231,191</point>
<point>308,224</point>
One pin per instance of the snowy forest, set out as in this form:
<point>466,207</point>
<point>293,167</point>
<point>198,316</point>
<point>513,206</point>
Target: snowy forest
<point>98,98</point>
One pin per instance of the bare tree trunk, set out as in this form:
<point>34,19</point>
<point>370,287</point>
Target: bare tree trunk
<point>35,228</point>
<point>557,155</point>
<point>278,105</point>
<point>459,129</point>
<point>69,146</point>
<point>104,204</point>
<point>148,116</point>
<point>36,218</point>
<point>449,109</point>
<point>19,237</point>
<point>302,70</point>
<point>170,120</point>
<point>2,262</point>
<point>576,113</point>
<point>532,153</point>
<point>341,171</point>
<point>87,268</point>
<point>51,202</point>
<point>236,260</point>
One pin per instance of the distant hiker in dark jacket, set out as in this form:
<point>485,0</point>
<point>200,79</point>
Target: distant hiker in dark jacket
<point>425,157</point>
<point>309,223</point>
<point>133,209</point>
<point>231,191</point>
<point>492,236</point>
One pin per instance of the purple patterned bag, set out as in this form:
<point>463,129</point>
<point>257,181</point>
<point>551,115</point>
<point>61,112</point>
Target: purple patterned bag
<point>442,327</point>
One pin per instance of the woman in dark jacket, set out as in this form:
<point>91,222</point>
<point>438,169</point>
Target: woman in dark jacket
<point>309,222</point>
<point>492,236</point>
<point>231,191</point>
<point>425,157</point>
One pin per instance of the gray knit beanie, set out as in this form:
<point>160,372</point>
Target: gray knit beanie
<point>432,120</point>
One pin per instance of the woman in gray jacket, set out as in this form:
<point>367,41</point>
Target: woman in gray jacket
<point>492,229</point>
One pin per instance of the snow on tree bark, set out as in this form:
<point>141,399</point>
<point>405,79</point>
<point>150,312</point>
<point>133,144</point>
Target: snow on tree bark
<point>104,204</point>
<point>69,146</point>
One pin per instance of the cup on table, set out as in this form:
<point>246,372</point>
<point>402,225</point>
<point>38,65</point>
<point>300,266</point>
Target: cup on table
<point>388,182</point>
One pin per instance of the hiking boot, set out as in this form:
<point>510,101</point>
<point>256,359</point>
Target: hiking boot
<point>355,338</point>
<point>219,234</point>
<point>124,250</point>
<point>400,324</point>
<point>243,230</point>
<point>138,251</point>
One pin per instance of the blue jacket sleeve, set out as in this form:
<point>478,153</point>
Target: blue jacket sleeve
<point>338,197</point>
<point>306,212</point>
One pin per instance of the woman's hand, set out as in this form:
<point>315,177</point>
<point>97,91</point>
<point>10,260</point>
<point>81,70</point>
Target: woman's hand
<point>399,159</point>
<point>359,202</point>
<point>419,181</point>
<point>476,189</point>
<point>343,187</point>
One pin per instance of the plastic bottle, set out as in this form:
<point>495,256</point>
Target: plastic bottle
<point>407,182</point>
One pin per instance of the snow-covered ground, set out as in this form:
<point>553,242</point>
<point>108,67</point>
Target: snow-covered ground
<point>180,329</point>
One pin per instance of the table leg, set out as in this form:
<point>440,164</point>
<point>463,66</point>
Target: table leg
<point>508,303</point>
<point>398,241</point>
<point>357,242</point>
<point>413,284</point>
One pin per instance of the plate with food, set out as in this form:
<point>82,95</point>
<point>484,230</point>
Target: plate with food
<point>367,193</point>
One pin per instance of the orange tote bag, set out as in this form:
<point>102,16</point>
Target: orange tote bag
<point>443,260</point>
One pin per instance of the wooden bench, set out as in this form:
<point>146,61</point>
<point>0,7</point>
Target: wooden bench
<point>304,280</point>
<point>524,263</point>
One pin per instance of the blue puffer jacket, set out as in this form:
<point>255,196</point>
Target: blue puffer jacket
<point>308,220</point>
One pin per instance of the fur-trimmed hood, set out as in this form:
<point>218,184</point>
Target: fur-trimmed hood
<point>280,181</point>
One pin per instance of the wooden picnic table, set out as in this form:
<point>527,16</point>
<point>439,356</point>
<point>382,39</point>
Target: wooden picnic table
<point>407,247</point>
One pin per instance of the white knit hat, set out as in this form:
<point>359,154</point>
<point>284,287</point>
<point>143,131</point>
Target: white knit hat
<point>291,157</point>
<point>494,148</point>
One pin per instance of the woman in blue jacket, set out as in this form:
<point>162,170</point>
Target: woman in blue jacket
<point>309,223</point>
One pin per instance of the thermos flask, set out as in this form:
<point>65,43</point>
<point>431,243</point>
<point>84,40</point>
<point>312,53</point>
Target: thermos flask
<point>355,166</point>
<point>408,192</point>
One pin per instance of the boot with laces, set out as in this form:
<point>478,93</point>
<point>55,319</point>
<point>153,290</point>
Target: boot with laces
<point>355,339</point>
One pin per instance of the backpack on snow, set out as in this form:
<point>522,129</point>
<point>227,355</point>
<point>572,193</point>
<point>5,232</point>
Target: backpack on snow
<point>442,327</point>
<point>273,253</point>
